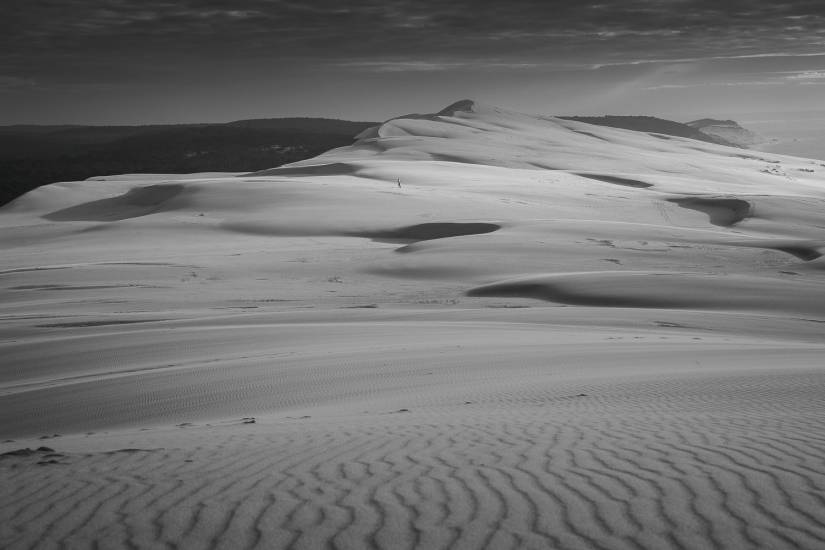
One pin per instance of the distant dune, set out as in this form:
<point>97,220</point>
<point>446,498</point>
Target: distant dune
<point>468,329</point>
<point>727,130</point>
<point>661,127</point>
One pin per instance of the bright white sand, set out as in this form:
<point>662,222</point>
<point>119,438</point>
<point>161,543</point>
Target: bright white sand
<point>552,335</point>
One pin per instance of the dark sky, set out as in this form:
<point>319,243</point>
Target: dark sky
<point>129,61</point>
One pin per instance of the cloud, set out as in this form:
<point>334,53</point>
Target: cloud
<point>393,66</point>
<point>807,75</point>
<point>714,84</point>
<point>399,66</point>
<point>180,46</point>
<point>331,29</point>
<point>707,58</point>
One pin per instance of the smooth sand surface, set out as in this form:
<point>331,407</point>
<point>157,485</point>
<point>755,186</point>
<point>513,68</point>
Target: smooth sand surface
<point>549,335</point>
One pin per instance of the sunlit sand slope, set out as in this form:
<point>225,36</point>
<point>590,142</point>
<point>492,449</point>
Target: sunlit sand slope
<point>470,329</point>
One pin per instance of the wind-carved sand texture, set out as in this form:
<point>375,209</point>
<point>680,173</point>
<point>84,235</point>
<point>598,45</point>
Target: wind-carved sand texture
<point>594,338</point>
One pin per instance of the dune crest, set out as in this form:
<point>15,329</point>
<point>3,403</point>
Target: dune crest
<point>140,201</point>
<point>331,169</point>
<point>463,105</point>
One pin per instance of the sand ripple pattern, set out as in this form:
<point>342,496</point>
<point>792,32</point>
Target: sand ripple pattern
<point>730,462</point>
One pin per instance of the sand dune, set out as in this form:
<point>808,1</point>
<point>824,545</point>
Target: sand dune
<point>550,335</point>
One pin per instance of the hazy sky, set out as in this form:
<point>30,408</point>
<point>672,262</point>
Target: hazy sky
<point>146,61</point>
